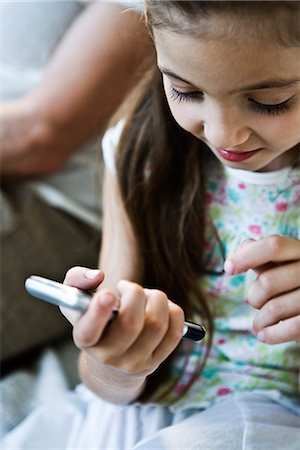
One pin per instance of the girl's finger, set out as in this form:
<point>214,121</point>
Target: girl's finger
<point>273,282</point>
<point>173,335</point>
<point>277,309</point>
<point>156,323</point>
<point>70,314</point>
<point>284,331</point>
<point>84,278</point>
<point>257,253</point>
<point>246,242</point>
<point>129,322</point>
<point>90,326</point>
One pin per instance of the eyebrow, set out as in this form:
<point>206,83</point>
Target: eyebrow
<point>267,84</point>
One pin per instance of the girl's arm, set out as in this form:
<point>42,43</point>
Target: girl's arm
<point>276,291</point>
<point>118,254</point>
<point>115,362</point>
<point>118,258</point>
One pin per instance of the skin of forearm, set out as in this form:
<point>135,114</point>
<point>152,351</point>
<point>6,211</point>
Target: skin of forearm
<point>103,52</point>
<point>119,257</point>
<point>90,74</point>
<point>108,383</point>
<point>118,260</point>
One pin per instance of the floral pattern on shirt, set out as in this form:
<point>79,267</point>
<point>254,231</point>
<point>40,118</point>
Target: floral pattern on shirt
<point>241,209</point>
<point>241,205</point>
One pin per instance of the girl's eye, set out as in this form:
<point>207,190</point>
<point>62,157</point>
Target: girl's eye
<point>272,110</point>
<point>184,96</point>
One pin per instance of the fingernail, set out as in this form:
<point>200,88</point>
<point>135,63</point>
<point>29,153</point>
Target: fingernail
<point>106,299</point>
<point>261,336</point>
<point>229,267</point>
<point>91,274</point>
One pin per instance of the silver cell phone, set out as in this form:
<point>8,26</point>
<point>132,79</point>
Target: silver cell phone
<point>70,297</point>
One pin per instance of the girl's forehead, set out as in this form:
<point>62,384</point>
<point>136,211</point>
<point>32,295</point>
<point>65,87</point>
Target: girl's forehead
<point>224,26</point>
<point>227,62</point>
<point>269,20</point>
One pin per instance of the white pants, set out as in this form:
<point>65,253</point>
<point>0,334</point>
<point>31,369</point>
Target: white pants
<point>81,421</point>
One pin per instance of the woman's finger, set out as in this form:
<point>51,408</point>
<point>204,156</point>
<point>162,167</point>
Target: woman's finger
<point>273,248</point>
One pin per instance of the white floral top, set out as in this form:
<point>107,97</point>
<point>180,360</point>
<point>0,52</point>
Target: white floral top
<point>242,205</point>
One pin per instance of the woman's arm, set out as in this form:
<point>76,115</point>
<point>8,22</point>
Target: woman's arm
<point>98,61</point>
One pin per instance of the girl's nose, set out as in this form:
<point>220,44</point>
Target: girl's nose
<point>225,129</point>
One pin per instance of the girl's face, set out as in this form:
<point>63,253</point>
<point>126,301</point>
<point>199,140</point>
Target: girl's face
<point>238,94</point>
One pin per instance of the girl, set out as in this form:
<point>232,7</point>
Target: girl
<point>204,169</point>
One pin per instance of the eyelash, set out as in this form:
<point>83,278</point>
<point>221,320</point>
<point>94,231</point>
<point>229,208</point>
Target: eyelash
<point>273,110</point>
<point>184,96</point>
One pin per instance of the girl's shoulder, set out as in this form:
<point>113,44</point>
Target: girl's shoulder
<point>109,144</point>
<point>245,204</point>
<point>226,181</point>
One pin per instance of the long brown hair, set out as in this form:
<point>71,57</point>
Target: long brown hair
<point>161,171</point>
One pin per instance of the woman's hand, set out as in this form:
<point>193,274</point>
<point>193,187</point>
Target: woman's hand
<point>276,290</point>
<point>146,330</point>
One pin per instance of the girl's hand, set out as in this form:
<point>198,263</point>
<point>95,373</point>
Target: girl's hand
<point>276,290</point>
<point>85,279</point>
<point>147,329</point>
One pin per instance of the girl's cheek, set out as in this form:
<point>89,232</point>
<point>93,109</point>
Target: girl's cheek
<point>185,118</point>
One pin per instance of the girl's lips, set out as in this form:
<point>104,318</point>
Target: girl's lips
<point>234,156</point>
